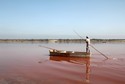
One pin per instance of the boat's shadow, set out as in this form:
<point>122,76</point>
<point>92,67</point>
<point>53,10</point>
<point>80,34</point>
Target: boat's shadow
<point>76,60</point>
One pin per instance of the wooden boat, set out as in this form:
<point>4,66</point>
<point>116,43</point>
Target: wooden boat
<point>68,53</point>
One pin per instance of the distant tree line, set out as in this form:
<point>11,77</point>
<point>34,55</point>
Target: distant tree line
<point>63,40</point>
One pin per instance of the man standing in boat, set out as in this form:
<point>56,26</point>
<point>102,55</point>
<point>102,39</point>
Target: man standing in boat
<point>87,44</point>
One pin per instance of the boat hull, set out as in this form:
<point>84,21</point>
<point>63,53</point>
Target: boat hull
<point>69,53</point>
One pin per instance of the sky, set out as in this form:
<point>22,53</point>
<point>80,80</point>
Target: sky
<point>59,18</point>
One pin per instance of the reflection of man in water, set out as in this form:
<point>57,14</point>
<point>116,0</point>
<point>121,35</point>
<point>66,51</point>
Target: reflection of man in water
<point>87,44</point>
<point>87,72</point>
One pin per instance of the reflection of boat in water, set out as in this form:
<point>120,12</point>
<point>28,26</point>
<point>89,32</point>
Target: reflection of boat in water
<point>68,53</point>
<point>75,60</point>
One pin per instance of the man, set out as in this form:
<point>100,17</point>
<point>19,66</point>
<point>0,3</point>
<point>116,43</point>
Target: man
<point>87,44</point>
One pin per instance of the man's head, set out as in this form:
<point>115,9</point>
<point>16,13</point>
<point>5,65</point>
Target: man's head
<point>87,37</point>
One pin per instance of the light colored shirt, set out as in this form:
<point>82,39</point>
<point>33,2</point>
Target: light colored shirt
<point>88,41</point>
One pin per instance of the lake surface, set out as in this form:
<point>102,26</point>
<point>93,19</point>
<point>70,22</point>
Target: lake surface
<point>28,63</point>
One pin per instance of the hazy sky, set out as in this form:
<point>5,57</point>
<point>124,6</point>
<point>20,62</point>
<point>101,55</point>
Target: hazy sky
<point>99,18</point>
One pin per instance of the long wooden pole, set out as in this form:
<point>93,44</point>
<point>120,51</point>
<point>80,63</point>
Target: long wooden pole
<point>93,47</point>
<point>47,47</point>
<point>99,51</point>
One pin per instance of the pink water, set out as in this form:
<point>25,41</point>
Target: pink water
<point>28,63</point>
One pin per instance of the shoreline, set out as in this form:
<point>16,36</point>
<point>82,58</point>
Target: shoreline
<point>63,40</point>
